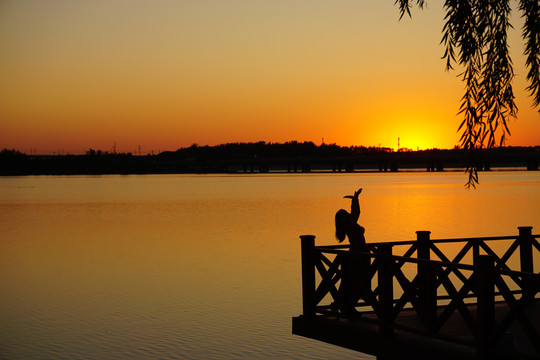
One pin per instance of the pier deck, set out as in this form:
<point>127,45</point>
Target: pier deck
<point>362,334</point>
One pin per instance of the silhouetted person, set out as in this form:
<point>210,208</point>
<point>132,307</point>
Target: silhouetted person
<point>355,266</point>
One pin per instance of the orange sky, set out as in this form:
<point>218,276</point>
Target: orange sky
<point>166,74</point>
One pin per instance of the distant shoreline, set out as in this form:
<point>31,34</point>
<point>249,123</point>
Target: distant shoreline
<point>267,158</point>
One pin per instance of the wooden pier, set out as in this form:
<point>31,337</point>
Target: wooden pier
<point>420,304</point>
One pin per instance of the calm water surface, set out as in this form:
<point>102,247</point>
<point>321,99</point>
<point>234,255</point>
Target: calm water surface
<point>208,266</point>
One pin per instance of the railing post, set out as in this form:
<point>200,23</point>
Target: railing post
<point>485,303</point>
<point>386,290</point>
<point>427,288</point>
<point>308,274</point>
<point>525,240</point>
<point>525,248</point>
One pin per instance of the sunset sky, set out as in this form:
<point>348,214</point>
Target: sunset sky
<point>166,74</point>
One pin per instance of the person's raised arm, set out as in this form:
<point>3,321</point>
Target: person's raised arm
<point>355,205</point>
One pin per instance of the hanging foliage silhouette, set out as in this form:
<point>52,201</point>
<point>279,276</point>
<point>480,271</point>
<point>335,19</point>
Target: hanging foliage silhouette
<point>475,39</point>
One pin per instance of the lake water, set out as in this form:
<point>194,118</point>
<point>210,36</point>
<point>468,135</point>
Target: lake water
<point>206,266</point>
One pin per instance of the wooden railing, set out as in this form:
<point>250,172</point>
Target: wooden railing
<point>485,295</point>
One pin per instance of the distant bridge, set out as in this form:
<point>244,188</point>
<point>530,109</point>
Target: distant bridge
<point>391,162</point>
<point>439,160</point>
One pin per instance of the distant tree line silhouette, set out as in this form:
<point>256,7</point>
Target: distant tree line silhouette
<point>264,149</point>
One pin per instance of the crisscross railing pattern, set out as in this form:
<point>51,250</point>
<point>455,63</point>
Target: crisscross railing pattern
<point>441,289</point>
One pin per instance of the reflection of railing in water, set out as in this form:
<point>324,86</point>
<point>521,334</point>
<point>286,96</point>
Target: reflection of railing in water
<point>487,296</point>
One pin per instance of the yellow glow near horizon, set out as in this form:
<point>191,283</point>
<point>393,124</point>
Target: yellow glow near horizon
<point>420,132</point>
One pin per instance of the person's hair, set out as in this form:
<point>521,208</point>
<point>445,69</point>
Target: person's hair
<point>342,218</point>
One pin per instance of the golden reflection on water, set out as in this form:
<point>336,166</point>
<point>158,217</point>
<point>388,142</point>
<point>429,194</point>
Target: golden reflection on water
<point>163,266</point>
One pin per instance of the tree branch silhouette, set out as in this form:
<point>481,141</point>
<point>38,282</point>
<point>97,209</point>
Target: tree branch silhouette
<point>475,38</point>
